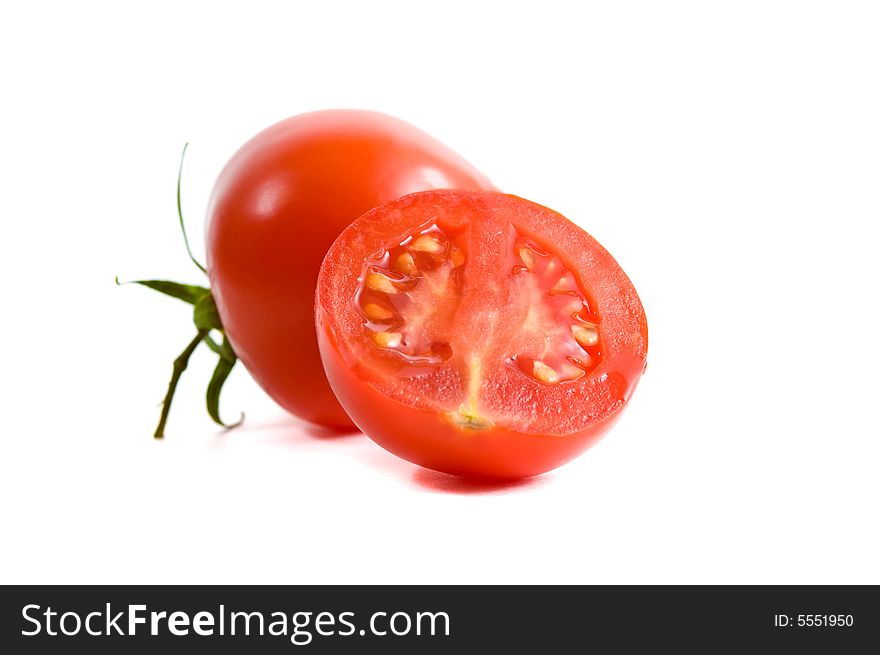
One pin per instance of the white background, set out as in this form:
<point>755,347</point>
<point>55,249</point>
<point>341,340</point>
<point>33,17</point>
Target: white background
<point>727,154</point>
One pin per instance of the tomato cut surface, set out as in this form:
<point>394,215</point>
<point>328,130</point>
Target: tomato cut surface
<point>478,333</point>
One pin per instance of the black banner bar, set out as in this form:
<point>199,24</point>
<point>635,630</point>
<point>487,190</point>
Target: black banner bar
<point>400,619</point>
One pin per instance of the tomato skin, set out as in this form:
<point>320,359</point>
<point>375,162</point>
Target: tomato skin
<point>276,208</point>
<point>382,402</point>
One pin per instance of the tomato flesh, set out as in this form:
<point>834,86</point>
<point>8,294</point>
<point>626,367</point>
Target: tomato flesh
<point>277,207</point>
<point>478,333</point>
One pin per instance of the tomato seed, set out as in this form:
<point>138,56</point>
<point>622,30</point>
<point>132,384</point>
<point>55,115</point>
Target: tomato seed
<point>545,373</point>
<point>381,283</point>
<point>377,312</point>
<point>387,339</point>
<point>564,285</point>
<point>406,264</point>
<point>426,243</point>
<point>585,335</point>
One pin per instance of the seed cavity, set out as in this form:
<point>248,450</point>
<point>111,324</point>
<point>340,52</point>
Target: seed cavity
<point>557,330</point>
<point>404,289</point>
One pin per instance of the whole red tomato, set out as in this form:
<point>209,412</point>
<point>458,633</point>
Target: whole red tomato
<point>477,333</point>
<point>277,207</point>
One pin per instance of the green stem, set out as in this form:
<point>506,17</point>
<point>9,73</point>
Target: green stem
<point>206,318</point>
<point>180,212</point>
<point>180,365</point>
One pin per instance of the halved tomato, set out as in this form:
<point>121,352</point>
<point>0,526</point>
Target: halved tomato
<point>478,333</point>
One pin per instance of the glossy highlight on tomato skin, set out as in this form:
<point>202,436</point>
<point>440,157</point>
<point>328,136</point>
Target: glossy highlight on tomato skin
<point>277,207</point>
<point>475,414</point>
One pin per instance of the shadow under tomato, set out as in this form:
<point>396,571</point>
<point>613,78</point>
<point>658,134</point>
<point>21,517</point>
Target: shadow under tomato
<point>325,433</point>
<point>454,484</point>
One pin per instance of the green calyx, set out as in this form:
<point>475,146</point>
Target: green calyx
<point>207,322</point>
